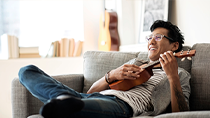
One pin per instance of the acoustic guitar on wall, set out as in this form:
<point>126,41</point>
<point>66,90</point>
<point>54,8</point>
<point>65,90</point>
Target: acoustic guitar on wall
<point>146,73</point>
<point>108,36</point>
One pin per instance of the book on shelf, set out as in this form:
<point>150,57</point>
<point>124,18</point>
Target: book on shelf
<point>78,48</point>
<point>29,52</point>
<point>66,47</point>
<point>57,49</point>
<point>50,52</point>
<point>30,55</point>
<point>9,47</point>
<point>62,48</point>
<point>26,50</point>
<point>54,50</point>
<point>71,47</point>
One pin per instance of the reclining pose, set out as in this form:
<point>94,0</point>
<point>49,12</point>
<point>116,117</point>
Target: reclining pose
<point>168,88</point>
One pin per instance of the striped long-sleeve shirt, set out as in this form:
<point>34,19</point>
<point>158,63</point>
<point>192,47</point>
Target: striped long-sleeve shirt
<point>139,97</point>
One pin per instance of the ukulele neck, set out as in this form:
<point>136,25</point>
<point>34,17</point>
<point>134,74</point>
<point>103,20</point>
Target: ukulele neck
<point>180,54</point>
<point>151,64</point>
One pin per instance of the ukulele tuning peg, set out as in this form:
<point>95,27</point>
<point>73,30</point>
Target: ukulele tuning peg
<point>183,59</point>
<point>188,51</point>
<point>189,58</point>
<point>181,52</point>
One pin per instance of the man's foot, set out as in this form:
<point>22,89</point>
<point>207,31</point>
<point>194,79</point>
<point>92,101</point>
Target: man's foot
<point>57,108</point>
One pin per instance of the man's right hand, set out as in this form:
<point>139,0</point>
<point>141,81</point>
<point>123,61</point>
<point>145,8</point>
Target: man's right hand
<point>127,71</point>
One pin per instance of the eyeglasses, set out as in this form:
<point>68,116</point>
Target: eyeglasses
<point>158,37</point>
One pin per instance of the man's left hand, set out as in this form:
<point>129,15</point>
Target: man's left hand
<point>169,64</point>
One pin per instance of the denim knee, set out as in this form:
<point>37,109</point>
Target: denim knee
<point>24,71</point>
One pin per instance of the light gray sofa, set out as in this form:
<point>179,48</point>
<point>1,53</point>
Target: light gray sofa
<point>96,64</point>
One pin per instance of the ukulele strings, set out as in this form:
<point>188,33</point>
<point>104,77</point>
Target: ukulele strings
<point>150,64</point>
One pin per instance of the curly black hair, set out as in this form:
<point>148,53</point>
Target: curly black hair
<point>174,32</point>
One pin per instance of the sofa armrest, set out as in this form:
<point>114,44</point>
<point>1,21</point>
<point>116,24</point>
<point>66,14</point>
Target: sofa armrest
<point>74,81</point>
<point>24,104</point>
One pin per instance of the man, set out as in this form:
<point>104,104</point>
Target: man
<point>168,88</point>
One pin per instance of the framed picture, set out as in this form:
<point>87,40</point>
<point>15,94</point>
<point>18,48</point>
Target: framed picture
<point>152,10</point>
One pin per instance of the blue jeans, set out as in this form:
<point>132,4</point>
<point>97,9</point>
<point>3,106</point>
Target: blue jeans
<point>45,88</point>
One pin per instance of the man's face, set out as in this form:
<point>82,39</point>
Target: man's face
<point>155,48</point>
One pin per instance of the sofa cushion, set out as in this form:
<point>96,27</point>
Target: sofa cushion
<point>143,56</point>
<point>188,114</point>
<point>200,81</point>
<point>97,63</point>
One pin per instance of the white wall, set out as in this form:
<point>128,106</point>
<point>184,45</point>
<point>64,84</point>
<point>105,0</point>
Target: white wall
<point>53,66</point>
<point>193,18</point>
<point>92,11</point>
<point>126,30</point>
<point>128,11</point>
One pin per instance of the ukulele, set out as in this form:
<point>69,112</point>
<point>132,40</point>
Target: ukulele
<point>146,73</point>
<point>108,36</point>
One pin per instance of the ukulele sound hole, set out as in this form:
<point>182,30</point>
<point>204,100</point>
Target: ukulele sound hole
<point>103,42</point>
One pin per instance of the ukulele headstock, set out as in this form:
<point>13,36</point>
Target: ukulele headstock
<point>182,54</point>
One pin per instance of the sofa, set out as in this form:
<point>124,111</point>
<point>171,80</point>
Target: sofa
<point>97,63</point>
